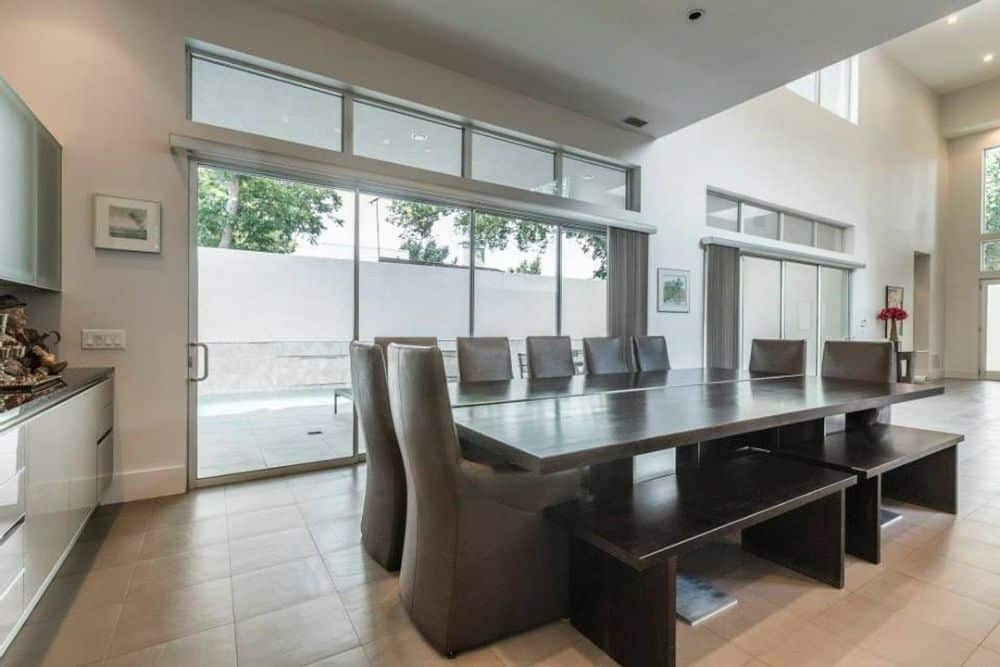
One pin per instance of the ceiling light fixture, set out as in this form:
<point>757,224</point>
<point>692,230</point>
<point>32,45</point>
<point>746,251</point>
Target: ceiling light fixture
<point>953,19</point>
<point>386,142</point>
<point>418,136</point>
<point>588,177</point>
<point>988,58</point>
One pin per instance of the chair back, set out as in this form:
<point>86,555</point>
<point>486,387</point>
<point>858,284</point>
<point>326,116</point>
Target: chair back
<point>550,357</point>
<point>384,518</point>
<point>423,341</point>
<point>484,359</point>
<point>610,354</point>
<point>779,356</point>
<point>651,353</point>
<point>870,361</point>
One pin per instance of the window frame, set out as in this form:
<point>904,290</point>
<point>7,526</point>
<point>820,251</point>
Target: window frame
<point>349,96</point>
<point>853,76</point>
<point>985,236</point>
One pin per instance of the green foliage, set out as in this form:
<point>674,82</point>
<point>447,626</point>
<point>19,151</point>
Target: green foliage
<point>415,222</point>
<point>991,192</point>
<point>246,212</point>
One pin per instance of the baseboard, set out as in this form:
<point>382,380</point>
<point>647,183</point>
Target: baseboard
<point>149,483</point>
<point>961,375</point>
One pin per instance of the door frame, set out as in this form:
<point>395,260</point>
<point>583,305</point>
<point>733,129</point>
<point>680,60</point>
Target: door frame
<point>194,358</point>
<point>984,283</point>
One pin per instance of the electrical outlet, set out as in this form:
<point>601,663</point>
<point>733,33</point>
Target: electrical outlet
<point>103,339</point>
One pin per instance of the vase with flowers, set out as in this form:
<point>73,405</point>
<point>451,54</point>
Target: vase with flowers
<point>892,315</point>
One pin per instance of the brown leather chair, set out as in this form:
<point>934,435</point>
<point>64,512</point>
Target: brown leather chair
<point>651,353</point>
<point>383,519</point>
<point>779,356</point>
<point>484,359</point>
<point>611,354</point>
<point>549,357</point>
<point>383,342</point>
<point>480,561</point>
<point>870,361</point>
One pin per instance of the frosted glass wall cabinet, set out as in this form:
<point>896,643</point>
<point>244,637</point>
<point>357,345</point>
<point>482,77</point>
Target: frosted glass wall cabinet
<point>55,465</point>
<point>30,189</point>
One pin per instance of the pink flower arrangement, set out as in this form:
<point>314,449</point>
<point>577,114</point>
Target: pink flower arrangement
<point>894,314</point>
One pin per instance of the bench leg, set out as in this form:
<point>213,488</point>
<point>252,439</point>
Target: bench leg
<point>931,482</point>
<point>809,539</point>
<point>630,615</point>
<point>864,521</point>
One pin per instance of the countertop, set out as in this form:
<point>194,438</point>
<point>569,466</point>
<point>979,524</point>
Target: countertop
<point>74,381</point>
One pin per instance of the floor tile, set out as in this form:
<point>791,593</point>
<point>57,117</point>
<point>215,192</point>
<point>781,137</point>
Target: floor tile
<point>983,657</point>
<point>296,635</point>
<point>337,533</point>
<point>854,618</point>
<point>98,554</point>
<point>810,646</point>
<point>75,593</point>
<point>212,648</point>
<point>176,539</point>
<point>351,567</point>
<point>356,657</point>
<point>280,586</point>
<point>260,551</point>
<point>258,522</point>
<point>258,495</point>
<point>78,639</point>
<point>993,640</point>
<point>197,505</point>
<point>700,647</point>
<point>908,641</point>
<point>332,507</point>
<point>534,646</point>
<point>161,617</point>
<point>411,649</point>
<point>181,570</point>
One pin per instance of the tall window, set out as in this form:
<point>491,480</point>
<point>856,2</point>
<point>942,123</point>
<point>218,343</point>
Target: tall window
<point>835,88</point>
<point>267,102</point>
<point>731,214</point>
<point>584,283</point>
<point>989,253</point>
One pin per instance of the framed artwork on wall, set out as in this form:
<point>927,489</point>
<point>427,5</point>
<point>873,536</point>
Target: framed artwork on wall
<point>673,291</point>
<point>893,299</point>
<point>126,224</point>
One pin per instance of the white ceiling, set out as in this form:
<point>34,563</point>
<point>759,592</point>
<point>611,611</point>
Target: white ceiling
<point>948,57</point>
<point>609,60</point>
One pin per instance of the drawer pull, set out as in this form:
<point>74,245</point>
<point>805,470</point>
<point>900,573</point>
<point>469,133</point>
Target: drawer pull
<point>10,530</point>
<point>104,437</point>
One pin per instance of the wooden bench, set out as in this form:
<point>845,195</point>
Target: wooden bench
<point>625,548</point>
<point>913,465</point>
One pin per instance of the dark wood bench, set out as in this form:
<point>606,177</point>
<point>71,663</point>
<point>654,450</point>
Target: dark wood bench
<point>625,548</point>
<point>909,464</point>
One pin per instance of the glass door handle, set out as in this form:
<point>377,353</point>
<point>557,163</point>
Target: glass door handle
<point>192,363</point>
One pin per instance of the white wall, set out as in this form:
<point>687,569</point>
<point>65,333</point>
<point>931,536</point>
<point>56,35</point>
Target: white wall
<point>108,79</point>
<point>971,110</point>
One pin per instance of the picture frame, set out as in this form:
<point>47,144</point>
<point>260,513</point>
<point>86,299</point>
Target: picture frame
<point>894,299</point>
<point>673,291</point>
<point>126,224</point>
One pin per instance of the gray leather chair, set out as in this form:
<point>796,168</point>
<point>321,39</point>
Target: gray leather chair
<point>383,342</point>
<point>611,354</point>
<point>484,359</point>
<point>651,353</point>
<point>383,519</point>
<point>772,355</point>
<point>549,357</point>
<point>480,561</point>
<point>870,361</point>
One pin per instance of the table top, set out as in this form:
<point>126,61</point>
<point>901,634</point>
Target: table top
<point>564,433</point>
<point>510,391</point>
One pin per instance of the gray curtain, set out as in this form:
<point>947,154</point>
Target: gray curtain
<point>628,276</point>
<point>722,307</point>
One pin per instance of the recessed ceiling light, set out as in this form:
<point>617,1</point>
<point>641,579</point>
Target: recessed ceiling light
<point>588,177</point>
<point>418,136</point>
<point>988,58</point>
<point>386,141</point>
<point>428,150</point>
<point>953,19</point>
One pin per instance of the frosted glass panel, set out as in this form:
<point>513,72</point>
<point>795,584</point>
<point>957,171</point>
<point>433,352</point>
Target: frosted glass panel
<point>797,230</point>
<point>835,88</point>
<point>759,221</point>
<point>834,289</point>
<point>17,191</point>
<point>800,316</point>
<point>393,136</point>
<point>584,284</point>
<point>761,302</point>
<point>722,212</point>
<point>232,97</point>
<point>510,163</point>
<point>595,183</point>
<point>829,237</point>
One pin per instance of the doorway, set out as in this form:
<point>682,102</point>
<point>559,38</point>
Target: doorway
<point>989,329</point>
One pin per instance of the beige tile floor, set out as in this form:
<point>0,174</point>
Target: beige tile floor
<point>271,574</point>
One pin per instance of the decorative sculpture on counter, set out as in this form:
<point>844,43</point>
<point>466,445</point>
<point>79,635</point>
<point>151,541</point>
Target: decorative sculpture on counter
<point>25,359</point>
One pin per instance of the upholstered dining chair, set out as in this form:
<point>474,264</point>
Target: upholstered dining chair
<point>651,353</point>
<point>611,354</point>
<point>778,356</point>
<point>383,341</point>
<point>870,361</point>
<point>484,359</point>
<point>549,357</point>
<point>480,561</point>
<point>383,518</point>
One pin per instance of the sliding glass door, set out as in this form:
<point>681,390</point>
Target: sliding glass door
<point>793,300</point>
<point>286,273</point>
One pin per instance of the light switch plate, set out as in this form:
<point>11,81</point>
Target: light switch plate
<point>103,339</point>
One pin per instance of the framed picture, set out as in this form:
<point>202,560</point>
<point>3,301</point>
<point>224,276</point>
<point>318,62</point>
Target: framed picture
<point>894,299</point>
<point>126,224</point>
<point>673,291</point>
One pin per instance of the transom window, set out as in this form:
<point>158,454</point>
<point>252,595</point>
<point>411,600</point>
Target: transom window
<point>835,88</point>
<point>252,99</point>
<point>735,215</point>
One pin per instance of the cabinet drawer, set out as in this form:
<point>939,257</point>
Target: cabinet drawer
<point>11,604</point>
<point>12,452</point>
<point>12,501</point>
